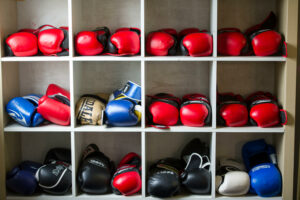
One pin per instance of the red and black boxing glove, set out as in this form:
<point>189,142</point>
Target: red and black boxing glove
<point>195,110</point>
<point>162,42</point>
<point>233,110</point>
<point>125,41</point>
<point>23,43</point>
<point>163,110</point>
<point>53,41</point>
<point>55,105</point>
<point>187,31</point>
<point>231,42</point>
<point>268,42</point>
<point>90,43</point>
<point>264,110</point>
<point>197,44</point>
<point>127,178</point>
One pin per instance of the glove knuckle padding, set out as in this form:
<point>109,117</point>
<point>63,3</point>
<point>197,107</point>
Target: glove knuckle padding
<point>231,42</point>
<point>197,44</point>
<point>124,43</point>
<point>89,110</point>
<point>55,178</point>
<point>160,43</point>
<point>50,41</point>
<point>21,44</point>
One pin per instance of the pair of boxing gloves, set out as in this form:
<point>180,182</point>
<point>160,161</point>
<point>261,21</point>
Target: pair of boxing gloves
<point>96,174</point>
<point>124,42</point>
<point>260,108</point>
<point>191,42</point>
<point>192,171</point>
<point>32,110</point>
<point>54,176</point>
<point>261,39</point>
<point>48,39</point>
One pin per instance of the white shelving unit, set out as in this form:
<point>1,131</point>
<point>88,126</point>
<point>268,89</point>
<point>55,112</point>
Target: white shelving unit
<point>174,74</point>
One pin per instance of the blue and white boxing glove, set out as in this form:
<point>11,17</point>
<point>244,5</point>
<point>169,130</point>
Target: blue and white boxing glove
<point>260,161</point>
<point>123,112</point>
<point>24,110</point>
<point>131,90</point>
<point>21,179</point>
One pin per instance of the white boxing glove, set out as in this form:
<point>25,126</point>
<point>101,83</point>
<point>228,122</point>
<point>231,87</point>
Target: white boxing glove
<point>231,179</point>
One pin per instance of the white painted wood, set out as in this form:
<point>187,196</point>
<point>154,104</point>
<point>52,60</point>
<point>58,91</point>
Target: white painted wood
<point>250,129</point>
<point>144,164</point>
<point>35,59</point>
<point>15,127</point>
<point>252,58</point>
<point>213,92</point>
<point>213,163</point>
<point>180,128</point>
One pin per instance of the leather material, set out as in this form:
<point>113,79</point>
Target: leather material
<point>231,42</point>
<point>197,44</point>
<point>21,44</point>
<point>266,42</point>
<point>21,179</point>
<point>95,171</point>
<point>24,110</point>
<point>164,178</point>
<point>187,31</point>
<point>127,178</point>
<point>90,43</point>
<point>53,41</point>
<point>161,43</point>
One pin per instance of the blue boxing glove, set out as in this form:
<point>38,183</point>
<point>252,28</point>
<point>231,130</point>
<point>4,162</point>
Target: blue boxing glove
<point>21,179</point>
<point>123,112</point>
<point>131,91</point>
<point>260,161</point>
<point>23,110</point>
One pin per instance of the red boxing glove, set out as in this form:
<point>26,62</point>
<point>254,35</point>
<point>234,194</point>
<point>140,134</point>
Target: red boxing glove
<point>21,44</point>
<point>267,42</point>
<point>53,41</point>
<point>127,178</point>
<point>164,109</point>
<point>197,44</point>
<point>90,43</point>
<point>125,41</point>
<point>233,110</point>
<point>187,31</point>
<point>231,42</point>
<point>268,23</point>
<point>162,42</point>
<point>264,110</point>
<point>55,105</point>
<point>195,110</point>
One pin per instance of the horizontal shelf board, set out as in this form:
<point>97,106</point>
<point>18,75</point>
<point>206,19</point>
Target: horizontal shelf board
<point>14,127</point>
<point>37,197</point>
<point>183,197</point>
<point>252,58</point>
<point>107,196</point>
<point>180,129</point>
<point>178,58</point>
<point>248,198</point>
<point>249,129</point>
<point>35,58</point>
<point>107,58</point>
<point>92,128</point>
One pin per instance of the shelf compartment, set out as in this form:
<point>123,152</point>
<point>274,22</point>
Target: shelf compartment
<point>160,146</point>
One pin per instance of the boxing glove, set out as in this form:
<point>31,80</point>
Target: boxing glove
<point>58,154</point>
<point>21,44</point>
<point>94,173</point>
<point>233,110</point>
<point>55,178</point>
<point>197,44</point>
<point>164,178</point>
<point>260,160</point>
<point>231,42</point>
<point>89,110</point>
<point>55,105</point>
<point>231,179</point>
<point>130,91</point>
<point>267,42</point>
<point>90,43</point>
<point>127,178</point>
<point>164,109</point>
<point>53,41</point>
<point>268,23</point>
<point>161,43</point>
<point>196,176</point>
<point>21,179</point>
<point>195,110</point>
<point>187,31</point>
<point>124,41</point>
<point>264,110</point>
<point>24,110</point>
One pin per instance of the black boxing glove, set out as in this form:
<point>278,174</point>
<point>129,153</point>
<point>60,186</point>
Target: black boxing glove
<point>55,178</point>
<point>59,154</point>
<point>95,171</point>
<point>164,179</point>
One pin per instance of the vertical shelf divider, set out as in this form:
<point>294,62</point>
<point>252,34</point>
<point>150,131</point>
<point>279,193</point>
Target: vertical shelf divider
<point>214,24</point>
<point>213,164</point>
<point>213,92</point>
<point>144,163</point>
<point>74,161</point>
